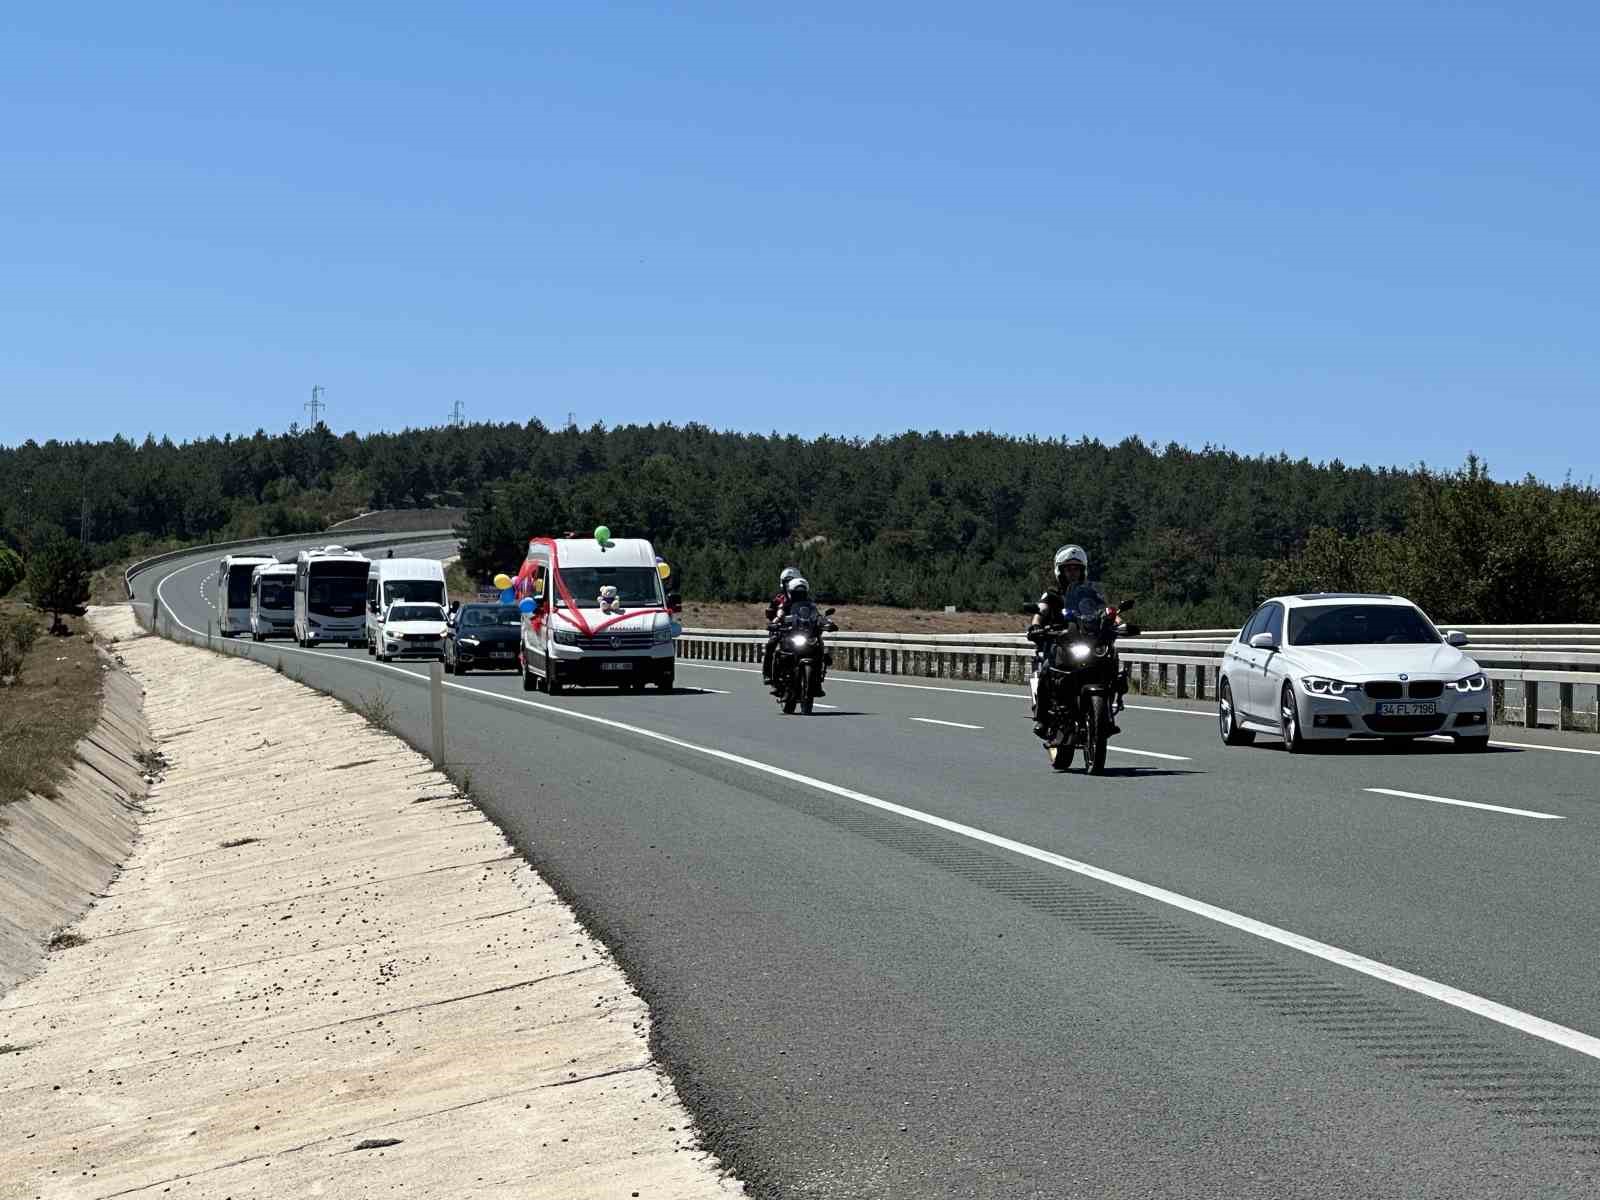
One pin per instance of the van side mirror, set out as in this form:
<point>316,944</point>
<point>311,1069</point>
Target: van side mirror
<point>1456,638</point>
<point>1126,606</point>
<point>1264,641</point>
<point>674,602</point>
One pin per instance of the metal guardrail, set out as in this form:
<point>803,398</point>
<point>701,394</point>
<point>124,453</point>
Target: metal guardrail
<point>1183,663</point>
<point>382,535</point>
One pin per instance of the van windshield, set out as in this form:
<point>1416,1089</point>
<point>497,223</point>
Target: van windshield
<point>636,586</point>
<point>277,593</point>
<point>419,591</point>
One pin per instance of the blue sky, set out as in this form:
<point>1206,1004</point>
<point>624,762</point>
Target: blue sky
<point>1362,230</point>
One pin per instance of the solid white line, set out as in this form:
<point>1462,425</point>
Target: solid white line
<point>1148,753</point>
<point>952,724</point>
<point>1516,812</point>
<point>1491,1010</point>
<point>1537,746</point>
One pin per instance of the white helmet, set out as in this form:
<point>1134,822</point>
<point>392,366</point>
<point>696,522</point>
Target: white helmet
<point>788,574</point>
<point>1075,554</point>
<point>797,585</point>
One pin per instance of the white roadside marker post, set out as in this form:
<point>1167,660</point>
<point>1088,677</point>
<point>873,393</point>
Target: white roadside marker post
<point>436,704</point>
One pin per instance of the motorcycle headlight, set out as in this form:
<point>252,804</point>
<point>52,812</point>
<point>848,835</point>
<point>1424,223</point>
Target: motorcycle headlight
<point>1317,685</point>
<point>1080,651</point>
<point>799,641</point>
<point>1472,683</point>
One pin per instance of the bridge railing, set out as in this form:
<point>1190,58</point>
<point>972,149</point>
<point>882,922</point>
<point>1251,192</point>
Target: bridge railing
<point>1537,681</point>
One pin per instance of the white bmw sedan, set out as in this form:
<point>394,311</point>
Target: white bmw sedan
<point>1333,665</point>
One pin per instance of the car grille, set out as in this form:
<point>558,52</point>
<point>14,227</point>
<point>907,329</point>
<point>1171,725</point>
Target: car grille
<point>1427,689</point>
<point>419,637</point>
<point>617,641</point>
<point>1404,724</point>
<point>1383,689</point>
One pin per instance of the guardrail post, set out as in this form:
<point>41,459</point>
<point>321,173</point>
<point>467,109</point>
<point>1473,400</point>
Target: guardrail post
<point>1144,679</point>
<point>1161,678</point>
<point>1564,715</point>
<point>436,710</point>
<point>1200,683</point>
<point>1530,704</point>
<point>1183,680</point>
<point>1497,701</point>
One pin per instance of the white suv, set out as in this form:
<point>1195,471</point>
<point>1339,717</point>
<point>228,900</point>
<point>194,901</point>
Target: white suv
<point>1333,665</point>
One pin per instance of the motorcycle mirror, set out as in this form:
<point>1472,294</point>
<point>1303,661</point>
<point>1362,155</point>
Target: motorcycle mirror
<point>1126,605</point>
<point>827,612</point>
<point>1028,610</point>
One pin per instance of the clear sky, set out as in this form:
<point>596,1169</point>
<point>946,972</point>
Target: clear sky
<point>1364,230</point>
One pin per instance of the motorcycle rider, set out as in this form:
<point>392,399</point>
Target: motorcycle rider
<point>775,606</point>
<point>798,604</point>
<point>1072,588</point>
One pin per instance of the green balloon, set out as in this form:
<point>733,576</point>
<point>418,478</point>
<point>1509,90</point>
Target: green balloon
<point>602,533</point>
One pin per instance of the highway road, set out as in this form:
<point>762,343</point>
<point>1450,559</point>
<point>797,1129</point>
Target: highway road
<point>889,952</point>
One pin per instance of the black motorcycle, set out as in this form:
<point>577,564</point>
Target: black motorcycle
<point>801,656</point>
<point>1082,678</point>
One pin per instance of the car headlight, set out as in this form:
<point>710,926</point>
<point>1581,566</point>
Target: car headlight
<point>1317,685</point>
<point>567,637</point>
<point>1472,683</point>
<point>1081,650</point>
<point>468,641</point>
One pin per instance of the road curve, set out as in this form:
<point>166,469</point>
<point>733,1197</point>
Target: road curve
<point>872,973</point>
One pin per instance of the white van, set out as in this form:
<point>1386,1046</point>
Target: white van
<point>233,591</point>
<point>569,640</point>
<point>329,586</point>
<point>272,601</point>
<point>418,580</point>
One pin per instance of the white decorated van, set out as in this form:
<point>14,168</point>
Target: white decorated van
<point>577,634</point>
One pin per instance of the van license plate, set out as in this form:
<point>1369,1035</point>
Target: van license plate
<point>624,665</point>
<point>1418,708</point>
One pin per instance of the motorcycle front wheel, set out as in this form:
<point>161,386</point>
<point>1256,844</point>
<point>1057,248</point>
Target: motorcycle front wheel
<point>807,689</point>
<point>1094,746</point>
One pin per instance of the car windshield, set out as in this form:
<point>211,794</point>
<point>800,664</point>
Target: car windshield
<point>489,618</point>
<point>416,612</point>
<point>1359,625</point>
<point>636,586</point>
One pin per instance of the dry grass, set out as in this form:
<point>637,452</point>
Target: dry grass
<point>867,618</point>
<point>53,704</point>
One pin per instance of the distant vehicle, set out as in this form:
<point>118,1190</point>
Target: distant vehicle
<point>272,601</point>
<point>570,640</point>
<point>330,588</point>
<point>233,591</point>
<point>412,631</point>
<point>482,636</point>
<point>390,579</point>
<point>1332,665</point>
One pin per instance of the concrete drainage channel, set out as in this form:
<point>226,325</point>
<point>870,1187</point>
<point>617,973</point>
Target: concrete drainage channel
<point>324,972</point>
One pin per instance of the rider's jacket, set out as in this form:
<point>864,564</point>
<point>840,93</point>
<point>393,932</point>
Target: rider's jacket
<point>777,605</point>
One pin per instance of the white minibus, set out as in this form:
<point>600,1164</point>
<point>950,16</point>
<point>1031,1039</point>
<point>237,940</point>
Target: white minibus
<point>330,590</point>
<point>233,591</point>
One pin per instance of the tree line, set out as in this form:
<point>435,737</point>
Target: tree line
<point>917,519</point>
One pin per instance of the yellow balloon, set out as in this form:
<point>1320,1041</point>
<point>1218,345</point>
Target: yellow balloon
<point>663,570</point>
<point>502,580</point>
<point>538,587</point>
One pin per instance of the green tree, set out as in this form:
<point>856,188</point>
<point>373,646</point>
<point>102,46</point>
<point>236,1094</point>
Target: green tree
<point>58,579</point>
<point>11,569</point>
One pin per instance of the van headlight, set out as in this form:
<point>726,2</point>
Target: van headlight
<point>663,635</point>
<point>1472,683</point>
<point>567,637</point>
<point>1317,685</point>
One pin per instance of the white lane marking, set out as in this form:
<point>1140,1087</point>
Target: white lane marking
<point>1537,746</point>
<point>1491,1010</point>
<point>951,724</point>
<point>1149,753</point>
<point>1516,812</point>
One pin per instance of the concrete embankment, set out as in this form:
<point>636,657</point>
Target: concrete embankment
<point>58,852</point>
<point>323,972</point>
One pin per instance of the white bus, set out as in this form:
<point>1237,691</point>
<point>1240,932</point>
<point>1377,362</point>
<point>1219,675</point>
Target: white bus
<point>330,592</point>
<point>272,601</point>
<point>418,580</point>
<point>233,591</point>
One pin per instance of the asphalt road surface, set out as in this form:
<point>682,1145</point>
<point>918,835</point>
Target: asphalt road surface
<point>889,952</point>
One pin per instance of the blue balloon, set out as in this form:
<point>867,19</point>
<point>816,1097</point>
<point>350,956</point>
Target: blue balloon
<point>508,597</point>
<point>527,605</point>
